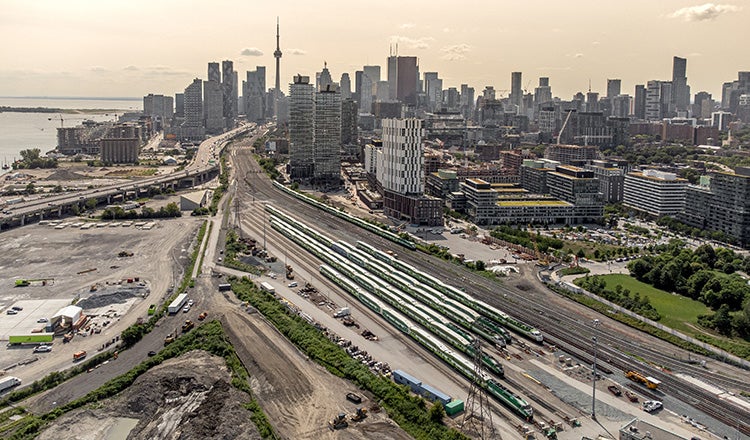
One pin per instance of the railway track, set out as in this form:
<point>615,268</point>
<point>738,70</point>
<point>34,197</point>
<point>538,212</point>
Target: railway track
<point>566,332</point>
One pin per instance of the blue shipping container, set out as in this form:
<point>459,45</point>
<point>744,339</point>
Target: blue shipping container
<point>433,394</point>
<point>403,378</point>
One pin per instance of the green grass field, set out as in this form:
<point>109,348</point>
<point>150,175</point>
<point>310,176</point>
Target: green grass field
<point>678,312</point>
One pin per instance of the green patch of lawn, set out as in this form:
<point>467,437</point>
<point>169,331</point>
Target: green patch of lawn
<point>677,311</point>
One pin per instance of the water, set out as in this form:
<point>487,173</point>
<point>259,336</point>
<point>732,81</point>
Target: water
<point>21,131</point>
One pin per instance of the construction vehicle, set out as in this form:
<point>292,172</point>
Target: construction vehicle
<point>187,326</point>
<point>649,381</point>
<point>361,415</point>
<point>151,309</point>
<point>289,272</point>
<point>39,281</point>
<point>67,337</point>
<point>168,339</point>
<point>614,390</point>
<point>123,254</point>
<point>202,316</point>
<point>78,355</point>
<point>338,422</point>
<point>631,396</point>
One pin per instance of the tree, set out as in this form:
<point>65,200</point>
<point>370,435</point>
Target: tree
<point>723,320</point>
<point>172,210</point>
<point>91,204</point>
<point>479,265</point>
<point>30,188</point>
<point>437,412</point>
<point>57,189</point>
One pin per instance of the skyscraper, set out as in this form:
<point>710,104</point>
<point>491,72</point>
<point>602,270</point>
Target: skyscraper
<point>639,103</point>
<point>613,88</point>
<point>213,107</point>
<point>179,103</point>
<point>194,104</point>
<point>301,110</point>
<point>327,134</point>
<point>254,94</point>
<point>229,91</point>
<point>543,93</point>
<point>370,77</point>
<point>346,86</point>
<point>214,72</point>
<point>407,80</point>
<point>358,85</point>
<point>401,168</point>
<point>680,89</point>
<point>516,94</point>
<point>277,90</point>
<point>324,80</point>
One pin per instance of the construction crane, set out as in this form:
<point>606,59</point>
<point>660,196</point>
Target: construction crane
<point>62,120</point>
<point>559,134</point>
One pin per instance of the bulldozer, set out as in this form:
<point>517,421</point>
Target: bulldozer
<point>361,415</point>
<point>338,422</point>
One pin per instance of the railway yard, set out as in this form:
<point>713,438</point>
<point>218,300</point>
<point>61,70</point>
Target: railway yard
<point>405,310</point>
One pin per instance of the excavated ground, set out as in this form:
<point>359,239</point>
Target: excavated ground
<point>189,397</point>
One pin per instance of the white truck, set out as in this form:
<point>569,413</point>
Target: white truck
<point>9,382</point>
<point>177,303</point>
<point>344,311</point>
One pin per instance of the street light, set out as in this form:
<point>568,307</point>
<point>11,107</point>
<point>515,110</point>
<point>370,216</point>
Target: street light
<point>595,323</point>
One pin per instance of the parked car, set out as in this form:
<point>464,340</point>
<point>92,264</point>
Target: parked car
<point>42,320</point>
<point>11,312</point>
<point>42,349</point>
<point>293,284</point>
<point>151,353</point>
<point>185,309</point>
<point>17,308</point>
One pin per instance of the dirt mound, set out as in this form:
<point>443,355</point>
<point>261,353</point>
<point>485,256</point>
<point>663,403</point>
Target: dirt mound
<point>189,397</point>
<point>65,175</point>
<point>111,295</point>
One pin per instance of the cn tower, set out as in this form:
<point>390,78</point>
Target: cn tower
<point>277,91</point>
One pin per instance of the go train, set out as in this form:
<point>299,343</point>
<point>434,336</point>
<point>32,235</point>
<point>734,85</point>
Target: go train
<point>493,387</point>
<point>516,403</point>
<point>466,317</point>
<point>348,217</point>
<point>481,307</point>
<point>429,319</point>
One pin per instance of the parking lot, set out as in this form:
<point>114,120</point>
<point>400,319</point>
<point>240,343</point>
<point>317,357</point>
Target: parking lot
<point>26,320</point>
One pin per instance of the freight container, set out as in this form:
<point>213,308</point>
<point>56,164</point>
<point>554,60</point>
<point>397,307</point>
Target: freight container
<point>454,407</point>
<point>403,378</point>
<point>434,395</point>
<point>225,287</point>
<point>264,286</point>
<point>36,338</point>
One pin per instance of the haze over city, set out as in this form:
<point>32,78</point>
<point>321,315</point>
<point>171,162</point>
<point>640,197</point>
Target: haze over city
<point>81,48</point>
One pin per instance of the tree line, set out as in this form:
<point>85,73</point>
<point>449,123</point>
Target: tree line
<point>705,274</point>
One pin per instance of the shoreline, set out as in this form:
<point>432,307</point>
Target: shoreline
<point>7,109</point>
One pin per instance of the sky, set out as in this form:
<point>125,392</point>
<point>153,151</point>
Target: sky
<point>129,48</point>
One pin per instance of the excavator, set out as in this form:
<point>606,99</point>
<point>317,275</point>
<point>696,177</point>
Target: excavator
<point>361,415</point>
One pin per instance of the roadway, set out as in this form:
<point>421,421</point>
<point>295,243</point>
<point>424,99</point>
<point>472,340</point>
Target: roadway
<point>199,168</point>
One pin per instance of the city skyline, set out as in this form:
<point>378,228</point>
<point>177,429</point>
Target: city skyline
<point>79,48</point>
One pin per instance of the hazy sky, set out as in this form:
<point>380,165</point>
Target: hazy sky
<point>135,47</point>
